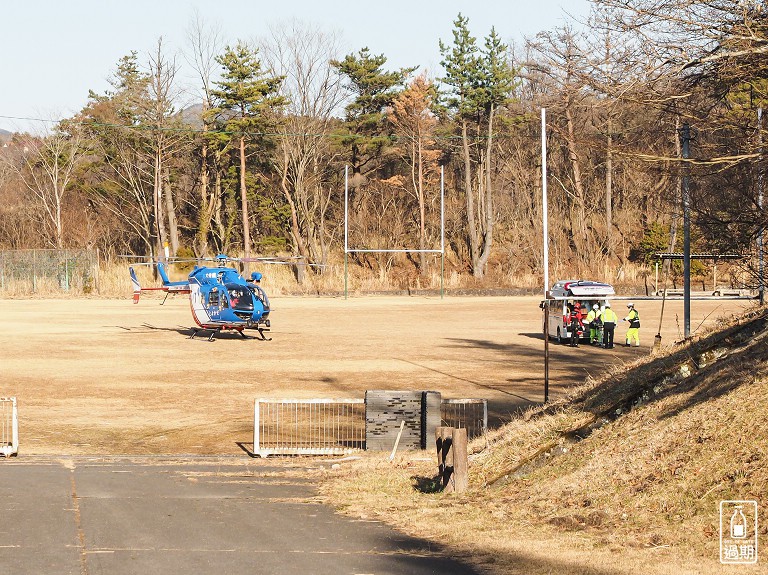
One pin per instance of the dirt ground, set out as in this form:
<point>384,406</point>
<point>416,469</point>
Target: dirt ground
<point>109,377</point>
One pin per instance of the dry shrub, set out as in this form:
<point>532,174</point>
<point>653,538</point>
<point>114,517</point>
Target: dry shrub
<point>399,273</point>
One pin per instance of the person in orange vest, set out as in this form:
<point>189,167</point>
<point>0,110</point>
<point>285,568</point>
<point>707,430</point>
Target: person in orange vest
<point>577,325</point>
<point>610,319</point>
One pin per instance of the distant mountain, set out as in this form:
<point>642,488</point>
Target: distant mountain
<point>5,135</point>
<point>192,116</point>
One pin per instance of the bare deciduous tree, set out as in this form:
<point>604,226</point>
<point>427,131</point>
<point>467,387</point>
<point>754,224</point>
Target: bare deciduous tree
<point>46,166</point>
<point>415,122</point>
<point>302,55</point>
<point>165,141</point>
<point>561,59</point>
<point>204,43</point>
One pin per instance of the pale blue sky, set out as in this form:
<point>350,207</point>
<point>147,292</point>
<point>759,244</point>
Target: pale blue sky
<point>53,51</point>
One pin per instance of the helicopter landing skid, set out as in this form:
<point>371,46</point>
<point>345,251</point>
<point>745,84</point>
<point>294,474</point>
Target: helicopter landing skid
<point>217,331</point>
<point>196,330</point>
<point>261,333</point>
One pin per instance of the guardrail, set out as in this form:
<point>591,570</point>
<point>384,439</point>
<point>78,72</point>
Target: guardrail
<point>9,427</point>
<point>308,426</point>
<point>718,292</point>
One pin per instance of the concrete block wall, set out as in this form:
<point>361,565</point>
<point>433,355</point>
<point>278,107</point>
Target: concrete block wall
<point>385,410</point>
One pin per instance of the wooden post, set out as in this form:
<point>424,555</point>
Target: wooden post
<point>96,272</point>
<point>460,462</point>
<point>443,439</point>
<point>546,348</point>
<point>439,448</point>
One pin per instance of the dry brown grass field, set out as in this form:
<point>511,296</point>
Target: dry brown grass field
<point>104,376</point>
<point>96,376</point>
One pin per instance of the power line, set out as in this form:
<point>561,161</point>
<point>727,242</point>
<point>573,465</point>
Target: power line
<point>29,119</point>
<point>187,129</point>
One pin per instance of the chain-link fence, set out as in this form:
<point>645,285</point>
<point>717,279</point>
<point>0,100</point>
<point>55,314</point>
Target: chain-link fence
<point>49,271</point>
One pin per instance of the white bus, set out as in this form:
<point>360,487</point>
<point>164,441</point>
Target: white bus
<point>564,294</point>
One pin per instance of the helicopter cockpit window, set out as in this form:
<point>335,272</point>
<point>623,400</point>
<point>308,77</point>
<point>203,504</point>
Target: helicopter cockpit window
<point>240,297</point>
<point>259,294</point>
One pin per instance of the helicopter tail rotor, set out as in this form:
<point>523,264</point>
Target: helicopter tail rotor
<point>136,285</point>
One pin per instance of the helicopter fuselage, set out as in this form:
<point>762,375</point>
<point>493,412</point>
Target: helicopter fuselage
<point>220,298</point>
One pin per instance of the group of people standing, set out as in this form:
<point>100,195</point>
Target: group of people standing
<point>601,322</point>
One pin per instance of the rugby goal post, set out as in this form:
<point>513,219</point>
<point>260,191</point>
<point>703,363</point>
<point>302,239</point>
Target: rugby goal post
<point>348,250</point>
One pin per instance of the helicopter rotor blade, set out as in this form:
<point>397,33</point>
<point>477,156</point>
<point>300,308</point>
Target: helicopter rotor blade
<point>154,261</point>
<point>279,260</point>
<point>223,259</point>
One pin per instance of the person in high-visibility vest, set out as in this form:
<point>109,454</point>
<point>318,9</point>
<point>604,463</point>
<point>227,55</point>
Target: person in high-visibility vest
<point>610,319</point>
<point>592,318</point>
<point>633,332</point>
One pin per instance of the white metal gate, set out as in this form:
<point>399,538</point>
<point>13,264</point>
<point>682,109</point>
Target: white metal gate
<point>471,414</point>
<point>9,426</point>
<point>308,426</point>
<point>338,426</point>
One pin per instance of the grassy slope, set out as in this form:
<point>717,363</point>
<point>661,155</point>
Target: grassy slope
<point>625,476</point>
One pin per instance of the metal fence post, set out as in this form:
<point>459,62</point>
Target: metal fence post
<point>256,427</point>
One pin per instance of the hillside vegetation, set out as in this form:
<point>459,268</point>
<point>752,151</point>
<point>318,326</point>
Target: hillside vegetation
<point>624,476</point>
<point>297,148</point>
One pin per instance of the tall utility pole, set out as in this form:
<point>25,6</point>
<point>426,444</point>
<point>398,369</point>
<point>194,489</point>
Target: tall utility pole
<point>545,226</point>
<point>544,207</point>
<point>609,187</point>
<point>760,271</point>
<point>685,140</point>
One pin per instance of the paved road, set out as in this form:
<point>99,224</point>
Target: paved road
<point>87,516</point>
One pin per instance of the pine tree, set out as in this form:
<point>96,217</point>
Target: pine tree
<point>479,82</point>
<point>245,102</point>
<point>373,91</point>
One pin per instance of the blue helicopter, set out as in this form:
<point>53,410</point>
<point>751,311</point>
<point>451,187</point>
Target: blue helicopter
<point>219,297</point>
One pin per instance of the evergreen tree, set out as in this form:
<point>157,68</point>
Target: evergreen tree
<point>479,82</point>
<point>244,105</point>
<point>373,91</point>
